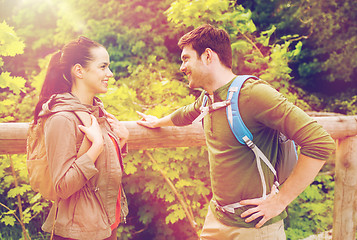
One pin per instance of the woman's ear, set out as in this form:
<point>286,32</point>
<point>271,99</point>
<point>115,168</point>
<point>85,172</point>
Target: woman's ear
<point>77,71</point>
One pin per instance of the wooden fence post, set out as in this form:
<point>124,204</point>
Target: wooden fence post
<point>345,199</point>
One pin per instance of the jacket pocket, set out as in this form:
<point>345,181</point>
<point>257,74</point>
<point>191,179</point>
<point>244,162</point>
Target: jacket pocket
<point>89,213</point>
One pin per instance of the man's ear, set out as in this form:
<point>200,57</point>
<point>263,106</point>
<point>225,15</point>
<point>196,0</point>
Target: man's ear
<point>208,55</point>
<point>77,71</point>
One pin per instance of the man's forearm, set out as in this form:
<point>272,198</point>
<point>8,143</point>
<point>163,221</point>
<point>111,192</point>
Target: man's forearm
<point>302,176</point>
<point>165,121</point>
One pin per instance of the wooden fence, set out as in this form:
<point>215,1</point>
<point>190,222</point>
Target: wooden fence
<point>342,128</point>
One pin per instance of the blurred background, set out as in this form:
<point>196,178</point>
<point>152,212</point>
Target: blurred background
<point>306,49</point>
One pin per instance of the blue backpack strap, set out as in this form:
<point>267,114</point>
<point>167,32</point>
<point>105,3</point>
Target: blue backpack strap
<point>204,110</point>
<point>234,119</point>
<point>204,102</point>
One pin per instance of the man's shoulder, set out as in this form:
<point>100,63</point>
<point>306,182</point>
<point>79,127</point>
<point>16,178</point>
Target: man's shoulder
<point>251,82</point>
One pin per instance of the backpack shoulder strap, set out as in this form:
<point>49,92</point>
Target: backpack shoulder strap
<point>241,132</point>
<point>204,110</point>
<point>234,118</point>
<point>85,118</point>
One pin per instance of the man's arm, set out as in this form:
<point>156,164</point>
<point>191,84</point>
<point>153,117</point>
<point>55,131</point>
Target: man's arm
<point>302,176</point>
<point>154,122</point>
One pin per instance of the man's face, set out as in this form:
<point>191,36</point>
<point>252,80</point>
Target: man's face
<point>193,66</point>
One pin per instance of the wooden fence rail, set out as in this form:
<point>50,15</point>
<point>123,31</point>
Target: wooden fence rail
<point>13,135</point>
<point>342,128</point>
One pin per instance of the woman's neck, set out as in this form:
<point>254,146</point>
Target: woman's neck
<point>84,98</point>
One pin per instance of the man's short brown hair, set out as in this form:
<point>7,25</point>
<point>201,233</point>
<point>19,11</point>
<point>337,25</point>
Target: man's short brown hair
<point>207,36</point>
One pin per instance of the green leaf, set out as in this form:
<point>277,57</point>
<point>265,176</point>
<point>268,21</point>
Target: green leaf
<point>10,44</point>
<point>20,190</point>
<point>8,220</point>
<point>15,84</point>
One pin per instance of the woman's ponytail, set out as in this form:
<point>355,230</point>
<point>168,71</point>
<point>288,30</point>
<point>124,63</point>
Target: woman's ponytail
<point>54,83</point>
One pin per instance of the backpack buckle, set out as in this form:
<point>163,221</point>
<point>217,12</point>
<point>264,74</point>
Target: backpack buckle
<point>218,207</point>
<point>249,142</point>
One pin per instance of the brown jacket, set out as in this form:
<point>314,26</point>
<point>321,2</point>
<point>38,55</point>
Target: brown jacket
<point>87,191</point>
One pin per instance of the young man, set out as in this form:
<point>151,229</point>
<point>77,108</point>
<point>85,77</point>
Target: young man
<point>207,62</point>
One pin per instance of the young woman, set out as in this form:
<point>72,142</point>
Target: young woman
<point>91,202</point>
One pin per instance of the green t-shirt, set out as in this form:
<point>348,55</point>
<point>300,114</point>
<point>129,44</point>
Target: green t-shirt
<point>233,170</point>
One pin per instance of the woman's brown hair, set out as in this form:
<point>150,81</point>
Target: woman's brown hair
<point>58,77</point>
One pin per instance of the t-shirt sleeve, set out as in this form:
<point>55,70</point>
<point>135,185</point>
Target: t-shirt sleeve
<point>187,114</point>
<point>272,109</point>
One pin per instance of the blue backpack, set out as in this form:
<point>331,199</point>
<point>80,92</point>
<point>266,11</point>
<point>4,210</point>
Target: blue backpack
<point>287,155</point>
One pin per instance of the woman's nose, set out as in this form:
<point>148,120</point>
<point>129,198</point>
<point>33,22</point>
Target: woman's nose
<point>109,73</point>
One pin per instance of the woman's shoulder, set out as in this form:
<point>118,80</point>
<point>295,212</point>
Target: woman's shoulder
<point>63,118</point>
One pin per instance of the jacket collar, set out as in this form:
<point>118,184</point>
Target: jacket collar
<point>68,102</point>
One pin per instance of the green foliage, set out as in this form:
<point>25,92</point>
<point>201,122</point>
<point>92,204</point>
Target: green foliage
<point>346,103</point>
<point>141,38</point>
<point>311,213</point>
<point>328,20</point>
<point>253,52</point>
<point>10,44</point>
<point>34,208</point>
<point>154,203</point>
<point>10,86</point>
<point>12,91</point>
<point>326,66</point>
<point>8,220</point>
<point>194,13</point>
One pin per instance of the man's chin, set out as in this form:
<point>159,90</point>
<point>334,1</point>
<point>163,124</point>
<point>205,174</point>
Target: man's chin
<point>191,85</point>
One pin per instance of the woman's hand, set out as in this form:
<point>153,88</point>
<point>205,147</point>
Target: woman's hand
<point>94,134</point>
<point>118,128</point>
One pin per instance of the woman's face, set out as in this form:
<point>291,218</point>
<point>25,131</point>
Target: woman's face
<point>97,73</point>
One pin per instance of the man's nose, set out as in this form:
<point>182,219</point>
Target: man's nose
<point>182,67</point>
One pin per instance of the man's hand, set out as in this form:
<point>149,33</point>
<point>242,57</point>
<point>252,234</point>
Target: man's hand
<point>148,120</point>
<point>301,177</point>
<point>266,208</point>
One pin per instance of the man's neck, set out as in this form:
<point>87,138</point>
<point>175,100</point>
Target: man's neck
<point>220,78</point>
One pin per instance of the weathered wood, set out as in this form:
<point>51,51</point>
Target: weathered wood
<point>340,126</point>
<point>345,199</point>
<point>13,135</point>
<point>166,137</point>
<point>13,140</point>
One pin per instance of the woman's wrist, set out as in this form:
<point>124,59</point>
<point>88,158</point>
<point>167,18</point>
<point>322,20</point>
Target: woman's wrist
<point>95,150</point>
